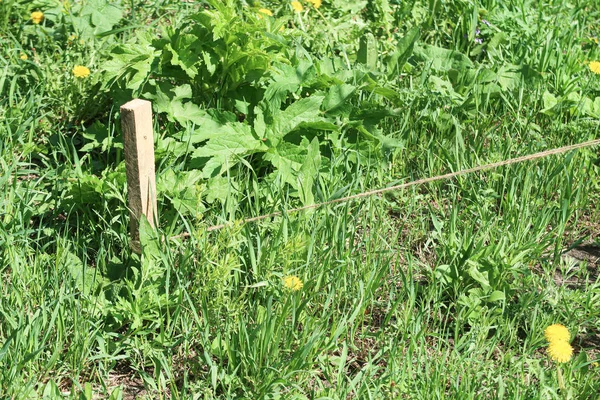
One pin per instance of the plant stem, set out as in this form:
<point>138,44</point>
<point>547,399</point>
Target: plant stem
<point>301,22</point>
<point>561,381</point>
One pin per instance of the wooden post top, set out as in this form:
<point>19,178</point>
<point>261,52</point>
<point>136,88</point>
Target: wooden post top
<point>136,104</point>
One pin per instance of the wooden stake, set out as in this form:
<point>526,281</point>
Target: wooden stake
<point>138,141</point>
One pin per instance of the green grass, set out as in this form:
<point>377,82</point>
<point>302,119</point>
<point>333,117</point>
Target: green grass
<point>439,291</point>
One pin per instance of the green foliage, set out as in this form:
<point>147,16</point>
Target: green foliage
<point>260,79</point>
<point>442,290</point>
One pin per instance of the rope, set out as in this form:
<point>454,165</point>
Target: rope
<point>370,193</point>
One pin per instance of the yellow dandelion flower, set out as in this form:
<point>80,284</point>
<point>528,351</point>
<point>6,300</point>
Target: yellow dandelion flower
<point>560,351</point>
<point>297,6</point>
<point>37,17</point>
<point>557,332</point>
<point>266,11</point>
<point>23,56</point>
<point>81,72</point>
<point>292,282</point>
<point>594,66</point>
<point>315,3</point>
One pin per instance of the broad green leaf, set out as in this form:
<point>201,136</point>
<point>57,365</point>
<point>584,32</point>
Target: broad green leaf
<point>596,106</point>
<point>586,107</point>
<point>87,391</point>
<point>286,79</point>
<point>83,276</point>
<point>51,391</point>
<point>169,100</point>
<point>225,147</point>
<point>404,49</point>
<point>130,62</point>
<point>309,172</point>
<point>149,240</point>
<point>287,158</point>
<point>211,61</point>
<point>441,59</point>
<point>95,17</point>
<point>352,7</point>
<point>182,189</point>
<point>388,144</point>
<point>304,110</point>
<point>496,295</point>
<point>259,122</point>
<point>444,87</point>
<point>367,51</point>
<point>477,275</point>
<point>485,75</point>
<point>104,15</point>
<point>170,181</point>
<point>509,76</point>
<point>116,394</point>
<point>98,135</point>
<point>186,52</point>
<point>219,346</point>
<point>550,101</point>
<point>171,147</point>
<point>219,188</point>
<point>336,98</point>
<point>493,45</point>
<point>386,92</point>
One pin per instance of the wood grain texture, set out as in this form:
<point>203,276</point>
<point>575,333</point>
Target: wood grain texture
<point>138,141</point>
